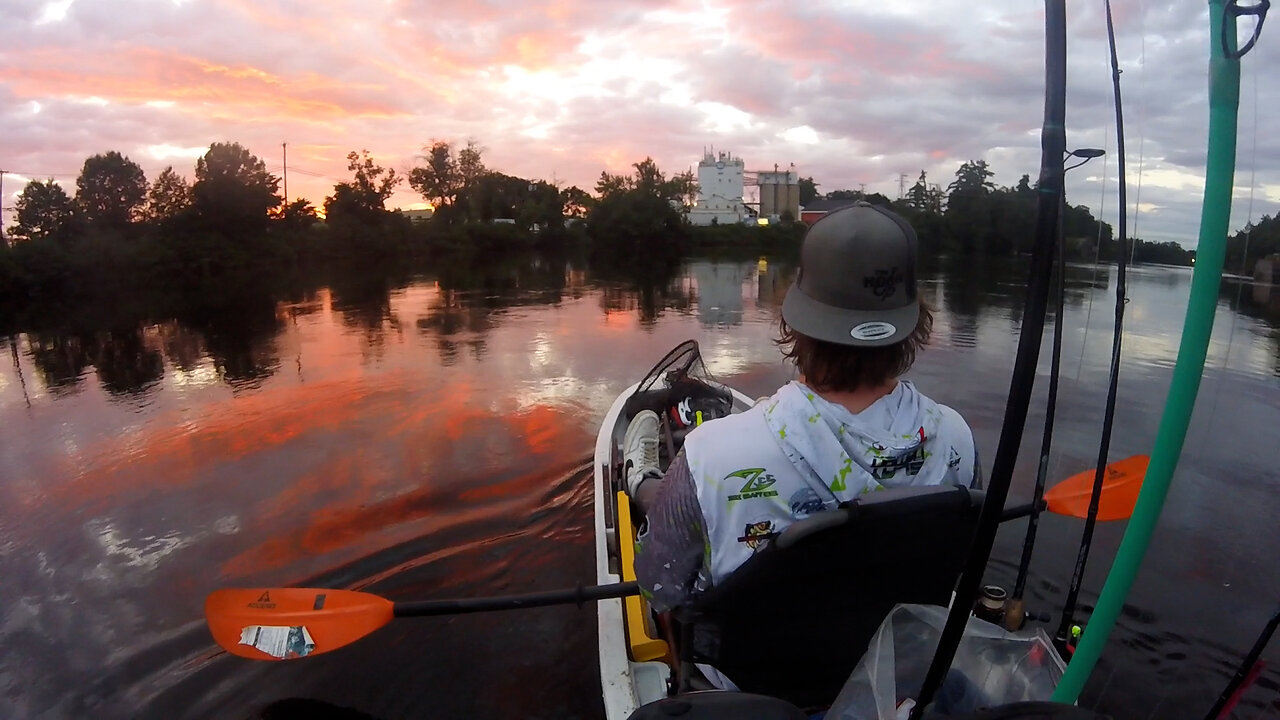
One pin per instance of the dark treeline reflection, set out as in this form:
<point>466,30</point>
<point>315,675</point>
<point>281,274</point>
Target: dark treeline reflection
<point>971,294</point>
<point>234,330</point>
<point>132,360</point>
<point>130,343</point>
<point>1255,300</point>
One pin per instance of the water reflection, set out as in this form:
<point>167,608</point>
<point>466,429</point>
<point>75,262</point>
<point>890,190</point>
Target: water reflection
<point>425,434</point>
<point>132,361</point>
<point>60,360</point>
<point>719,290</point>
<point>126,361</point>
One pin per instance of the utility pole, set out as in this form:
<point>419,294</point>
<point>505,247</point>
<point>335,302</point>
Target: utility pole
<point>2,240</point>
<point>902,185</point>
<point>284,147</point>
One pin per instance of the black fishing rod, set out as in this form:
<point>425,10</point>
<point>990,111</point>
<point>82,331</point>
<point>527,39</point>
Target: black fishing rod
<point>1053,143</point>
<point>1108,418</point>
<point>1015,612</point>
<point>1245,674</point>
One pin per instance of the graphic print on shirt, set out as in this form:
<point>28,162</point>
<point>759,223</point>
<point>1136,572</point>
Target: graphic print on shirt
<point>885,465</point>
<point>757,484</point>
<point>757,534</point>
<point>805,503</point>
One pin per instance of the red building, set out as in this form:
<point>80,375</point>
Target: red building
<point>818,207</point>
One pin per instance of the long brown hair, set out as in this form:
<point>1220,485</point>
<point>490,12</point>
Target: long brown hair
<point>832,367</point>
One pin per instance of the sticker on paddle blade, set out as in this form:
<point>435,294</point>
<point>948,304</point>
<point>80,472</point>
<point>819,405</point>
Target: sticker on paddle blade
<point>279,641</point>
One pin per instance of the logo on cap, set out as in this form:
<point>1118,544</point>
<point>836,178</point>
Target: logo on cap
<point>884,282</point>
<point>874,330</point>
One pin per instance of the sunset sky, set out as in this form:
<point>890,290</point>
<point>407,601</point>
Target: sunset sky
<point>852,93</point>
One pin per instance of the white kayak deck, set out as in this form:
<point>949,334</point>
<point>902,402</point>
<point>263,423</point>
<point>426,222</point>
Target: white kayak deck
<point>625,685</point>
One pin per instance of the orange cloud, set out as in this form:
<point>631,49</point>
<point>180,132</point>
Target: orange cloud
<point>139,75</point>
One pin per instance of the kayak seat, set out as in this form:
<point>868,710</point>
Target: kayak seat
<point>794,620</point>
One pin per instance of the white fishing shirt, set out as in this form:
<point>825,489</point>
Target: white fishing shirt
<point>795,453</point>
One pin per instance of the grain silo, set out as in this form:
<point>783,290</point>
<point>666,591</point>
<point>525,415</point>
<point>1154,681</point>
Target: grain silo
<point>779,193</point>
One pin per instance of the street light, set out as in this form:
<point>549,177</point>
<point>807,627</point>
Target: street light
<point>1086,154</point>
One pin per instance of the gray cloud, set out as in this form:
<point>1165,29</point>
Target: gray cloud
<point>571,87</point>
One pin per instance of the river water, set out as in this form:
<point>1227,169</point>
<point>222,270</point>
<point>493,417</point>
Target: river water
<point>430,437</point>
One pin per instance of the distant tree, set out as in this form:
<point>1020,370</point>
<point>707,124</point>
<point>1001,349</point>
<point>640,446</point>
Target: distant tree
<point>1164,253</point>
<point>919,197</point>
<point>1077,221</point>
<point>110,190</point>
<point>494,195</point>
<point>854,195</point>
<point>298,214</point>
<point>233,190</point>
<point>1254,241</point>
<point>636,234</point>
<point>540,207</point>
<point>575,202</point>
<point>684,188</point>
<point>373,184</point>
<point>443,176</point>
<point>1012,217</point>
<point>610,184</point>
<point>470,164</point>
<point>44,211</point>
<point>973,179</point>
<point>1024,188</point>
<point>438,180</point>
<point>648,179</point>
<point>808,190</point>
<point>365,197</point>
<point>168,196</point>
<point>628,220</point>
<point>972,214</point>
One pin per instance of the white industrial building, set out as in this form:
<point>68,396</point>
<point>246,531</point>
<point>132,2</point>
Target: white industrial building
<point>720,179</point>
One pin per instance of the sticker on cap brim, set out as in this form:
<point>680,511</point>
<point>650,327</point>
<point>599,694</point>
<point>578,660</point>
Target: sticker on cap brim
<point>875,330</point>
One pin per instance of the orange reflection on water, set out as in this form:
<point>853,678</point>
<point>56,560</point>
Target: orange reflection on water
<point>178,451</point>
<point>348,509</point>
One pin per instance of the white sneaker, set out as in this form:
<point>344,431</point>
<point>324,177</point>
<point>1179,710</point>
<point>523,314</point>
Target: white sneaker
<point>640,450</point>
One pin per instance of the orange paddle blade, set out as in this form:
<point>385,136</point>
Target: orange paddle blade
<point>1121,483</point>
<point>287,623</point>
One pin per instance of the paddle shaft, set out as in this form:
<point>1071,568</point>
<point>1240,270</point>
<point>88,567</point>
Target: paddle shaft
<point>579,596</point>
<point>1030,509</point>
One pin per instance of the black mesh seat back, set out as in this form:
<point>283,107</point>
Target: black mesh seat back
<point>794,621</point>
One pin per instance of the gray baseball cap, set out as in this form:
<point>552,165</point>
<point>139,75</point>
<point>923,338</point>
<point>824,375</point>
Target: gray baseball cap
<point>857,279</point>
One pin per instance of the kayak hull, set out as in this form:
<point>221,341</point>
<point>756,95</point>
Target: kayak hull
<point>625,683</point>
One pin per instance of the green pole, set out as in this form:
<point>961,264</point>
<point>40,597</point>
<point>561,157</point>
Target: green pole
<point>1224,99</point>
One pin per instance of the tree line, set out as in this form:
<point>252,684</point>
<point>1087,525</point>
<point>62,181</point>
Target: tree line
<point>974,216</point>
<point>120,229</point>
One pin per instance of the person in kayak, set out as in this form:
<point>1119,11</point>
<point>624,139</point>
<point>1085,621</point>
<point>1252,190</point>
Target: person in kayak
<point>851,324</point>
